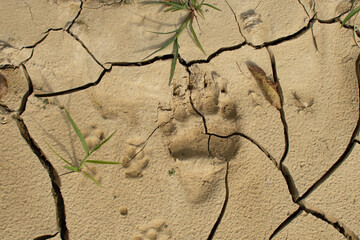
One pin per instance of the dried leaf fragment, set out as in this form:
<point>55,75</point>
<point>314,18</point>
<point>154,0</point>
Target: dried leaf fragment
<point>3,86</point>
<point>269,87</point>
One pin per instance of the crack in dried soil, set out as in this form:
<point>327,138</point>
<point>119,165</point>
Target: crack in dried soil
<point>54,177</point>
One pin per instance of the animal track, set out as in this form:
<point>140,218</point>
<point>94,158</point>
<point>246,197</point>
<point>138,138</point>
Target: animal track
<point>199,156</point>
<point>250,19</point>
<point>134,161</point>
<point>256,30</point>
<point>303,104</point>
<point>93,135</point>
<point>156,229</point>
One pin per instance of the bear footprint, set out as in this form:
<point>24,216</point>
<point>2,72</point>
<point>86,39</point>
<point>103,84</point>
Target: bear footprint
<point>184,130</point>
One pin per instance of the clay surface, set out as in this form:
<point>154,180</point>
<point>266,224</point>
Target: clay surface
<point>205,157</point>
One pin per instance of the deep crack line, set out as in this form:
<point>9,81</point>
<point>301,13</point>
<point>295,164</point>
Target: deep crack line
<point>286,222</point>
<point>337,224</point>
<point>78,39</point>
<point>53,175</point>
<point>141,63</point>
<point>213,55</point>
<point>328,218</point>
<point>102,74</point>
<point>294,192</point>
<point>76,17</point>
<point>223,209</point>
<point>86,49</point>
<point>234,134</point>
<point>5,108</point>
<point>237,21</point>
<point>348,233</point>
<point>45,237</point>
<point>164,57</point>
<point>76,89</point>
<point>290,37</point>
<point>279,40</point>
<point>134,64</point>
<point>282,112</point>
<point>168,56</point>
<point>227,190</point>
<point>304,8</point>
<point>39,41</point>
<point>227,193</point>
<point>67,30</point>
<point>28,92</point>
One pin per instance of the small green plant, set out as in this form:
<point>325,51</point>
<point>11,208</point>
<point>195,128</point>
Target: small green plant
<point>194,8</point>
<point>171,172</point>
<point>350,15</point>
<point>86,159</point>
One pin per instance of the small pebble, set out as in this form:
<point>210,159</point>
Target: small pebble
<point>123,211</point>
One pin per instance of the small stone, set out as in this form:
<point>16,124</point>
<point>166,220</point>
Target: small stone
<point>123,210</point>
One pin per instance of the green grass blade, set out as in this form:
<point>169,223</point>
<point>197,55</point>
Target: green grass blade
<point>170,4</point>
<point>171,9</point>
<point>350,15</point>
<point>195,37</point>
<point>154,2</point>
<point>73,169</point>
<point>100,144</point>
<point>91,177</point>
<point>59,155</point>
<point>82,164</point>
<point>178,32</point>
<point>209,5</point>
<point>173,63</point>
<point>183,26</point>
<point>78,133</point>
<point>174,5</point>
<point>102,162</point>
<point>201,13</point>
<point>164,46</point>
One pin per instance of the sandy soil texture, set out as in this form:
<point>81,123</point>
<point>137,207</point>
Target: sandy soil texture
<point>209,156</point>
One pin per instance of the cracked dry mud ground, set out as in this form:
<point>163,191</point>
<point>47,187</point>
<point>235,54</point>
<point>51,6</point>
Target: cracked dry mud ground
<point>209,157</point>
